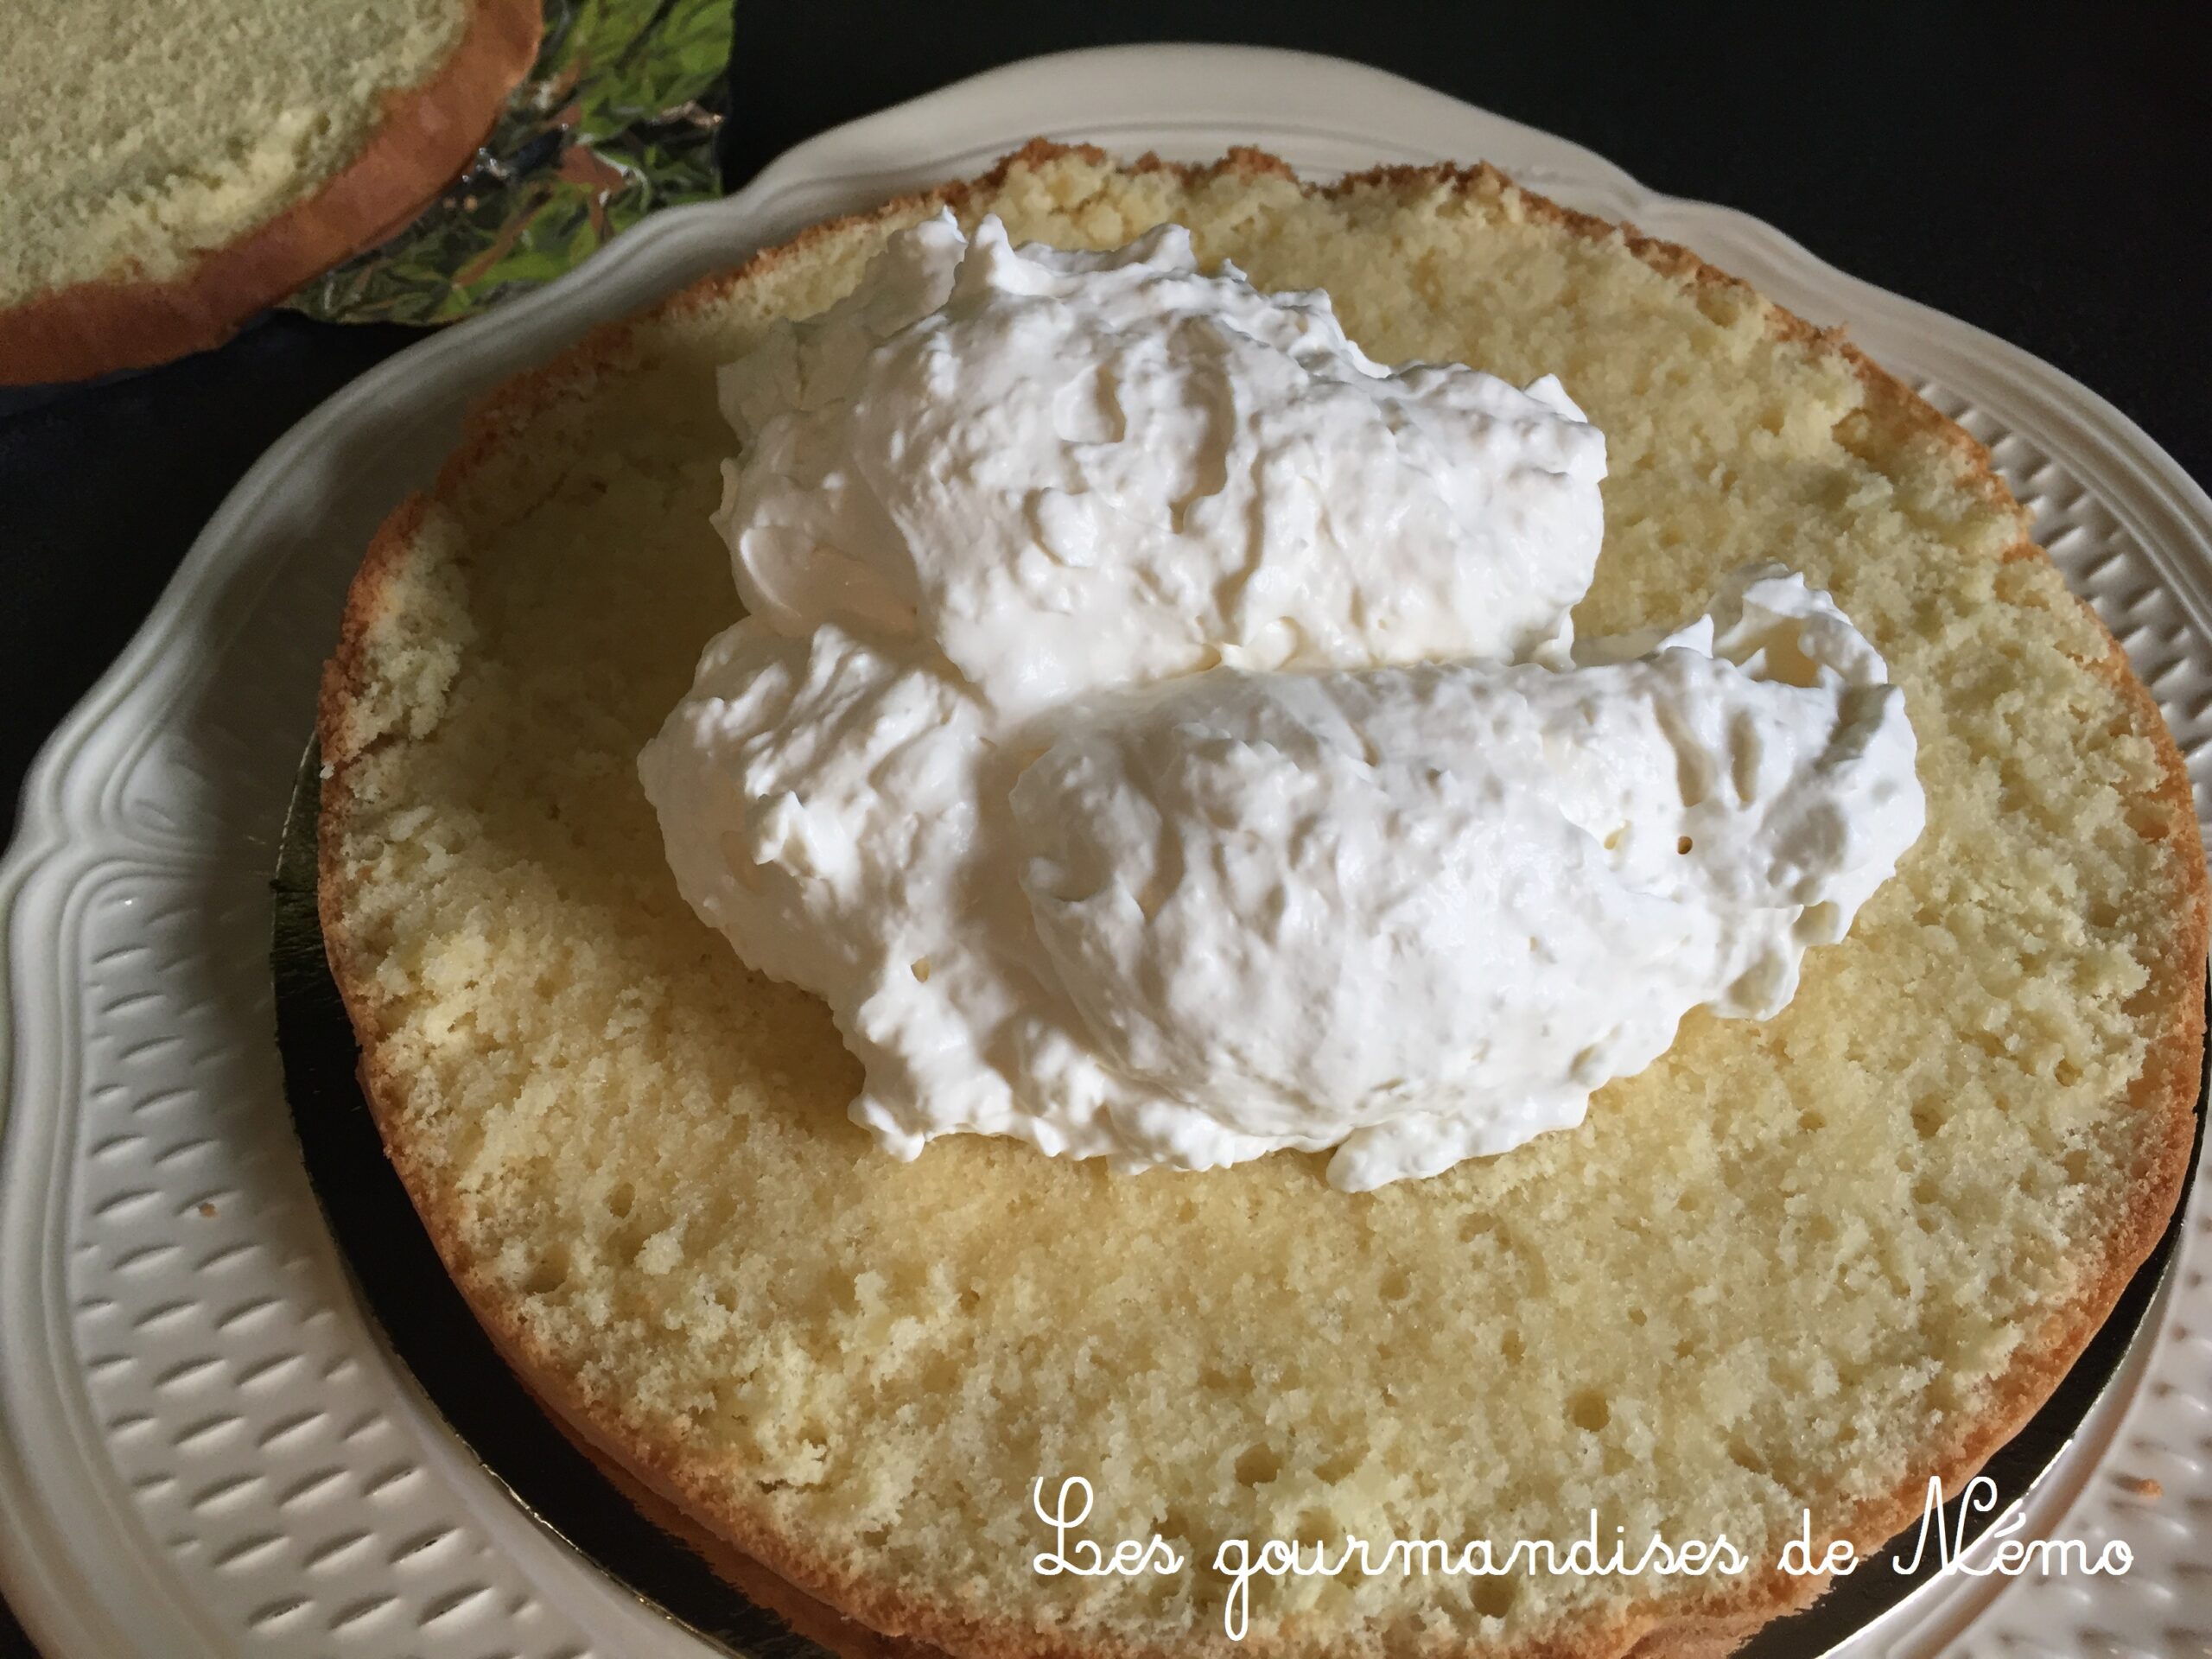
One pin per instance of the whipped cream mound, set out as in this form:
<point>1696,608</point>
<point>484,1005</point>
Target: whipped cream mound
<point>1158,733</point>
<point>1420,914</point>
<point>1068,471</point>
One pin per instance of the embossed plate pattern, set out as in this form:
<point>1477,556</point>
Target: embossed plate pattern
<point>205,1450</point>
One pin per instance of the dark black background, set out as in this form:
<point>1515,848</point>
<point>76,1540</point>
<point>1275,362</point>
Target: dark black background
<point>2038,174</point>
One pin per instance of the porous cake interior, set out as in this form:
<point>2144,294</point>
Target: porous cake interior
<point>134,135</point>
<point>1797,1263</point>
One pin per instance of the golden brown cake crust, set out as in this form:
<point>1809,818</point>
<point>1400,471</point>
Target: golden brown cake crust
<point>425,137</point>
<point>814,1620</point>
<point>2162,1099</point>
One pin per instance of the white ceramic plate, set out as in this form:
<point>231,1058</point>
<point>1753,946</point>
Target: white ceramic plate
<point>204,1448</point>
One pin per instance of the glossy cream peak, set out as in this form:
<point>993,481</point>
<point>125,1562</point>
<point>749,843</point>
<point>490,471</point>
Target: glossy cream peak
<point>1156,736</point>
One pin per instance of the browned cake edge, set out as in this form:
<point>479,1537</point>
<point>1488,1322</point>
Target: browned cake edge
<point>2163,1096</point>
<point>814,1620</point>
<point>424,138</point>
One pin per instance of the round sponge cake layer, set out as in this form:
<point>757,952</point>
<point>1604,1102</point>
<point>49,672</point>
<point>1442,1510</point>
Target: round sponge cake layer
<point>1802,1264</point>
<point>170,169</point>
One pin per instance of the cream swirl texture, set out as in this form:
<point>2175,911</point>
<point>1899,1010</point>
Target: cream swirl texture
<point>1158,732</point>
<point>1066,471</point>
